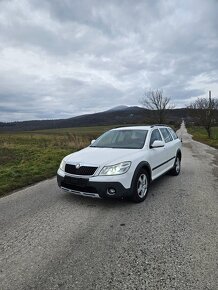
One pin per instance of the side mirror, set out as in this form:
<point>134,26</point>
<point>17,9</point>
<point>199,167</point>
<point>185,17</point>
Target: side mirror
<point>92,142</point>
<point>157,144</point>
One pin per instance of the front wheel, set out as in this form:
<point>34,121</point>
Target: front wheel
<point>140,186</point>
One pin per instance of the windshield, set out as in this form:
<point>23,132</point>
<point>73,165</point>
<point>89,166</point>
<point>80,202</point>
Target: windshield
<point>126,139</point>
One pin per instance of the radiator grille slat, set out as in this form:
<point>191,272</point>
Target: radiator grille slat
<point>83,170</point>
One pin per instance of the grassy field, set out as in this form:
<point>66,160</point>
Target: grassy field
<point>28,157</point>
<point>200,134</point>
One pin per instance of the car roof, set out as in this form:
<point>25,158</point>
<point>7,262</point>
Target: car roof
<point>133,128</point>
<point>141,127</point>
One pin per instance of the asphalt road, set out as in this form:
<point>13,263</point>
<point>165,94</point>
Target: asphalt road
<point>55,240</point>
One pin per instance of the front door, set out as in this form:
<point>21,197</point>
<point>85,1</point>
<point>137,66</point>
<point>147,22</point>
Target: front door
<point>157,156</point>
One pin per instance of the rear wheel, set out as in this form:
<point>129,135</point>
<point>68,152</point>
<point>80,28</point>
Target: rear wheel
<point>140,186</point>
<point>177,167</point>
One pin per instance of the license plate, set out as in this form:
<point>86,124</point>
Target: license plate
<point>76,181</point>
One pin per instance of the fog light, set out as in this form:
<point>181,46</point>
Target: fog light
<point>111,191</point>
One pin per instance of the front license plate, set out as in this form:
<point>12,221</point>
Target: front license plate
<point>76,181</point>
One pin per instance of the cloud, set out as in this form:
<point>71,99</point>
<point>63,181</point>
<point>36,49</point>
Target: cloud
<point>64,58</point>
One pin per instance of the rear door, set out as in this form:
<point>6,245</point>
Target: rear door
<point>170,148</point>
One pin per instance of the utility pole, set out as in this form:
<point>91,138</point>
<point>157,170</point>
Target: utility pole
<point>210,98</point>
<point>209,115</point>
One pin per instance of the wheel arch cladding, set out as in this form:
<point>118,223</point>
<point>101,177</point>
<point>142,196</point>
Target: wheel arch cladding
<point>142,165</point>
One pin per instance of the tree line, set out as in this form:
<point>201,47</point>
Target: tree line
<point>204,109</point>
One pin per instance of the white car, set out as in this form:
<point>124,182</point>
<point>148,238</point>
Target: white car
<point>122,162</point>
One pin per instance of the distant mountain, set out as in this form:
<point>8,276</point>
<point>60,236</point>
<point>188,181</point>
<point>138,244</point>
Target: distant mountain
<point>118,108</point>
<point>116,116</point>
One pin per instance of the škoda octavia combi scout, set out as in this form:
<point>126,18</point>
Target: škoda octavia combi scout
<point>122,162</point>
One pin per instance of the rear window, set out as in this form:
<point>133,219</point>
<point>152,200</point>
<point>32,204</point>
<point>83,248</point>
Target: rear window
<point>173,133</point>
<point>166,134</point>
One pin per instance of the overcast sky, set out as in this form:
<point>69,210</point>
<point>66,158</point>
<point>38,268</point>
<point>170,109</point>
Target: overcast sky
<point>62,58</point>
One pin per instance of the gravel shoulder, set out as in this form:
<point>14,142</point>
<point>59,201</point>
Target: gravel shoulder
<point>55,240</point>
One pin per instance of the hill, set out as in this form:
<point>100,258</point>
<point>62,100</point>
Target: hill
<point>118,115</point>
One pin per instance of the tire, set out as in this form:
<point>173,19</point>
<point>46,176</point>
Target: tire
<point>177,167</point>
<point>140,186</point>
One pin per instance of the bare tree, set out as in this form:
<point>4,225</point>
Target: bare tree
<point>154,100</point>
<point>206,110</point>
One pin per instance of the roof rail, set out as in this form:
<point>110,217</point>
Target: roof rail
<point>154,125</point>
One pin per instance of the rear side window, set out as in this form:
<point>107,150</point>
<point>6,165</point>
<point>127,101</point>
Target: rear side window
<point>173,133</point>
<point>155,135</point>
<point>166,134</point>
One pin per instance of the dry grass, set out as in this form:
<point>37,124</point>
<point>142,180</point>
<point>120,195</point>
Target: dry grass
<point>29,157</point>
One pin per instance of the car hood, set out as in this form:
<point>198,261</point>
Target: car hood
<point>100,156</point>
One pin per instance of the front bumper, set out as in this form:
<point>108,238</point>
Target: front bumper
<point>86,187</point>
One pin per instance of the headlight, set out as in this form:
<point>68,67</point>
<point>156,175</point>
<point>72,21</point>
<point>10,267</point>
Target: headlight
<point>62,165</point>
<point>116,169</point>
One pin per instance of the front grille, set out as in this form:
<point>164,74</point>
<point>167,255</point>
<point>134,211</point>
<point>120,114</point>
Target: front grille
<point>83,170</point>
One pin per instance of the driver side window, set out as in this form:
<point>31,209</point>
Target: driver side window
<point>155,135</point>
